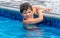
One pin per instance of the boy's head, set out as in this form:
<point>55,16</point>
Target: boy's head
<point>25,9</point>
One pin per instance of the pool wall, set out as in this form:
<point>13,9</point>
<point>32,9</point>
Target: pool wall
<point>49,19</point>
<point>10,14</point>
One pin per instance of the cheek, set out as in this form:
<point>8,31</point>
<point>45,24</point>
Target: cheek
<point>30,14</point>
<point>24,15</point>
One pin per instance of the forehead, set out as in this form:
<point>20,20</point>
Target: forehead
<point>28,10</point>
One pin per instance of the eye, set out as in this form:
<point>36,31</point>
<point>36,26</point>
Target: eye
<point>24,13</point>
<point>29,12</point>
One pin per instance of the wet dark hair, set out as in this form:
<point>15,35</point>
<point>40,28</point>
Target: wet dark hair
<point>25,6</point>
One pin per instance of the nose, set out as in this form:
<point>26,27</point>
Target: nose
<point>28,14</point>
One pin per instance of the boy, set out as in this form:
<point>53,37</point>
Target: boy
<point>28,13</point>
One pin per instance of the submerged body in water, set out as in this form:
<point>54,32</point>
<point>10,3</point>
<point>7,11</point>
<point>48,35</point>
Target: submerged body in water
<point>28,12</point>
<point>32,26</point>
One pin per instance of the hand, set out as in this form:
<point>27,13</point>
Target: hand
<point>38,7</point>
<point>48,10</point>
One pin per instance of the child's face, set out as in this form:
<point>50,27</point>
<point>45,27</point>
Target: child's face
<point>27,14</point>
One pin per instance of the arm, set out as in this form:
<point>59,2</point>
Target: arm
<point>35,20</point>
<point>34,9</point>
<point>44,10</point>
<point>47,10</point>
<point>40,17</point>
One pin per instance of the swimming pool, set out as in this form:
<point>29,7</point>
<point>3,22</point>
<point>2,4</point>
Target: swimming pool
<point>11,26</point>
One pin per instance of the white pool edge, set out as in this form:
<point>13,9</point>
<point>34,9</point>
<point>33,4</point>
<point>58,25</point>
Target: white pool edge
<point>45,14</point>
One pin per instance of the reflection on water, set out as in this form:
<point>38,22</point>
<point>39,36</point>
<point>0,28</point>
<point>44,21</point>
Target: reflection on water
<point>14,29</point>
<point>43,32</point>
<point>34,33</point>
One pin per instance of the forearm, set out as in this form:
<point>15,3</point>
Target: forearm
<point>47,10</point>
<point>26,21</point>
<point>36,20</point>
<point>33,21</point>
<point>36,8</point>
<point>40,16</point>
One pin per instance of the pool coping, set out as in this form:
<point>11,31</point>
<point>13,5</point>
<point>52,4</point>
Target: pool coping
<point>45,14</point>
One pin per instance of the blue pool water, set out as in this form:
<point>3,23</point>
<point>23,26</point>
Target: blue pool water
<point>11,26</point>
